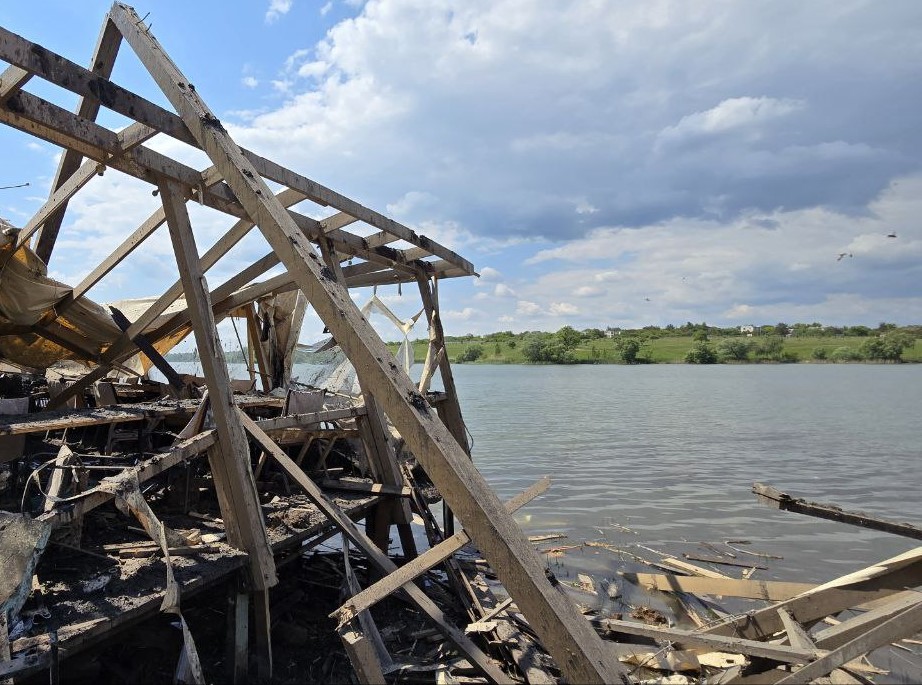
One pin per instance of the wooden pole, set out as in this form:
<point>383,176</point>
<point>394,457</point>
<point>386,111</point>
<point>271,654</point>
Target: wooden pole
<point>230,462</point>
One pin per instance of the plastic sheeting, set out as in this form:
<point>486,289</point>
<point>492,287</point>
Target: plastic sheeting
<point>28,297</point>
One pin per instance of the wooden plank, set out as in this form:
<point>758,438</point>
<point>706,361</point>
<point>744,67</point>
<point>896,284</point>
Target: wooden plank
<point>906,623</point>
<point>257,353</point>
<point>101,64</point>
<point>238,636</point>
<point>690,639</point>
<point>797,636</point>
<point>780,500</point>
<point>378,558</point>
<point>11,80</point>
<point>768,590</point>
<point>385,587</point>
<point>230,466</point>
<point>364,619</point>
<point>373,488</point>
<point>721,560</point>
<point>362,656</point>
<point>837,635</point>
<point>880,580</point>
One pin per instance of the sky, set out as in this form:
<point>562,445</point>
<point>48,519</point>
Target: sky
<point>602,163</point>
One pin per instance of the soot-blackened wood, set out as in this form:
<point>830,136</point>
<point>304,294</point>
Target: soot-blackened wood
<point>783,501</point>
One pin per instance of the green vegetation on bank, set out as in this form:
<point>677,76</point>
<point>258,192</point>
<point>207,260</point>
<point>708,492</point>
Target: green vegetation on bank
<point>689,343</point>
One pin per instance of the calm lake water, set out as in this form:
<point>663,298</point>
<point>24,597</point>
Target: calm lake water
<point>671,452</point>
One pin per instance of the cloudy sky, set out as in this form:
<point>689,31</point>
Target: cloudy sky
<point>602,163</point>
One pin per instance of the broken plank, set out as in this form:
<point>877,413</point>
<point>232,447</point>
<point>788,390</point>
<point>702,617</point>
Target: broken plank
<point>695,639</point>
<point>783,501</point>
<point>906,623</point>
<point>724,561</point>
<point>360,486</point>
<point>425,561</point>
<point>879,580</point>
<point>768,590</point>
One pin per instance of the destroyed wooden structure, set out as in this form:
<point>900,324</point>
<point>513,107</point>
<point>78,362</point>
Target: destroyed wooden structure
<point>267,454</point>
<point>47,321</point>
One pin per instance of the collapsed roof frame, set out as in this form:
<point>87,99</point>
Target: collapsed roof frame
<point>236,185</point>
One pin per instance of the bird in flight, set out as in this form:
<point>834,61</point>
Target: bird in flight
<point>892,234</point>
<point>843,255</point>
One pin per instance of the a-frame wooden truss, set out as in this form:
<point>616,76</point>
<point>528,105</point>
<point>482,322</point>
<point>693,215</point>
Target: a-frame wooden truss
<point>236,184</point>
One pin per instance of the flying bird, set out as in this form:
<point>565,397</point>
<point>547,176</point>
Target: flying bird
<point>844,254</point>
<point>892,234</point>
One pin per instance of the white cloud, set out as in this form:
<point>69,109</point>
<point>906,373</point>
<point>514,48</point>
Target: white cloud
<point>489,274</point>
<point>503,290</point>
<point>277,8</point>
<point>249,81</point>
<point>563,308</point>
<point>730,114</point>
<point>527,308</point>
<point>589,291</point>
<point>326,9</point>
<point>465,314</point>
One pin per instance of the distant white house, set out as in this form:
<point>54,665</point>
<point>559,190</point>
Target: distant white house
<point>612,332</point>
<point>748,330</point>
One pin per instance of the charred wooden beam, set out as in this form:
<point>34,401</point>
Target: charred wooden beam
<point>781,500</point>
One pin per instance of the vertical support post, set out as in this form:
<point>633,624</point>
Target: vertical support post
<point>263,619</point>
<point>383,461</point>
<point>230,460</point>
<point>255,348</point>
<point>101,64</point>
<point>238,634</point>
<point>449,410</point>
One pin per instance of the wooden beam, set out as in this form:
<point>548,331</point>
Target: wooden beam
<point>88,107</point>
<point>880,580</point>
<point>432,557</point>
<point>230,466</point>
<point>129,137</point>
<point>375,556</point>
<point>781,500</point>
<point>694,639</point>
<point>362,656</point>
<point>906,623</point>
<point>565,633</point>
<point>11,80</point>
<point>768,590</point>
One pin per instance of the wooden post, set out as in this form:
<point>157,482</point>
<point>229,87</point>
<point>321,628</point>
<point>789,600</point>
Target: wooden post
<point>238,634</point>
<point>230,463</point>
<point>449,409</point>
<point>263,625</point>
